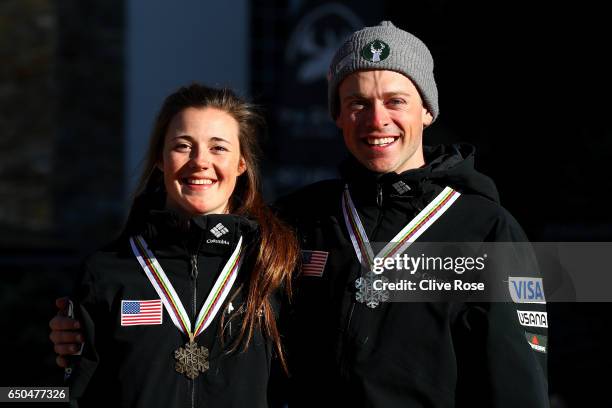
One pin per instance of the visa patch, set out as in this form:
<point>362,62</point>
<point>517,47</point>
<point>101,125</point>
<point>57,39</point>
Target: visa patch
<point>141,312</point>
<point>536,341</point>
<point>532,318</point>
<point>526,290</point>
<point>313,263</point>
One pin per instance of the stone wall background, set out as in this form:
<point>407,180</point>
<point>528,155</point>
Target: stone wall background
<point>61,163</point>
<point>61,122</point>
<point>88,187</point>
<point>28,117</point>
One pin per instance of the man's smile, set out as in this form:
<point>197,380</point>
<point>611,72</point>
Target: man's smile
<point>380,141</point>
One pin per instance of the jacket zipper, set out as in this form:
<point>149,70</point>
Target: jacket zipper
<point>344,363</point>
<point>379,203</point>
<point>194,277</point>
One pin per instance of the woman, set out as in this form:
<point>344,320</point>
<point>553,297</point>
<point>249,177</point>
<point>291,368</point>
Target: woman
<point>180,310</point>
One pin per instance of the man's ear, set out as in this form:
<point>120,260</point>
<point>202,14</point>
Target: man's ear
<point>426,117</point>
<point>338,112</point>
<point>338,122</point>
<point>241,166</point>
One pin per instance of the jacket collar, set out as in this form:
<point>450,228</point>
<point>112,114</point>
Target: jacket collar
<point>446,165</point>
<point>168,230</point>
<point>368,187</point>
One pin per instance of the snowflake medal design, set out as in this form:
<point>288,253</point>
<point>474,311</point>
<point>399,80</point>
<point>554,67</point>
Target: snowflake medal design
<point>366,292</point>
<point>191,360</point>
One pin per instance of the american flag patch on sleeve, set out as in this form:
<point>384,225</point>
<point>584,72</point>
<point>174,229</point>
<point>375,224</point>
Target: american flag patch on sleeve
<point>313,263</point>
<point>141,312</point>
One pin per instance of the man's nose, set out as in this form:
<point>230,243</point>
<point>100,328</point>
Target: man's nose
<point>379,117</point>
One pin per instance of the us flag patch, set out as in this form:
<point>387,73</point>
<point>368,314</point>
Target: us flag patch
<point>141,312</point>
<point>313,263</point>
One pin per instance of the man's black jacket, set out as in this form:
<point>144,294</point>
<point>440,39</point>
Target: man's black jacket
<point>437,354</point>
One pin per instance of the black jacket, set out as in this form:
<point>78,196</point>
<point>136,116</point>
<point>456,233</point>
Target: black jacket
<point>436,354</point>
<point>133,366</point>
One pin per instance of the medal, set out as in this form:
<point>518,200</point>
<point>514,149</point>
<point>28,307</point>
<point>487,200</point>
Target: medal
<point>361,244</point>
<point>191,359</point>
<point>365,290</point>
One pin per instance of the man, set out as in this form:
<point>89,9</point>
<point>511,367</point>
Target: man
<point>347,349</point>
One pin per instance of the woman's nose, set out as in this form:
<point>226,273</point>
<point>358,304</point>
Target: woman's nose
<point>200,159</point>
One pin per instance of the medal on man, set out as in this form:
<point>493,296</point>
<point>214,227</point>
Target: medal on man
<point>366,292</point>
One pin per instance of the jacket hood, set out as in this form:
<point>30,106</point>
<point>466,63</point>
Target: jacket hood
<point>451,165</point>
<point>454,165</point>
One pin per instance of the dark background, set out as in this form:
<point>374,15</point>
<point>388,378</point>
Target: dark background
<point>526,83</point>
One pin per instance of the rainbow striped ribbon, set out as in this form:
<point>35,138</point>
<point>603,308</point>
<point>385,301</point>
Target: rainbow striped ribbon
<point>168,295</point>
<point>405,237</point>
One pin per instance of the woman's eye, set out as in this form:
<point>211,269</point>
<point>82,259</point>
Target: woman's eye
<point>182,147</point>
<point>219,148</point>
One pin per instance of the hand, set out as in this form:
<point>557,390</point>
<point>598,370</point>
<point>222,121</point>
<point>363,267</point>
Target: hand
<point>65,334</point>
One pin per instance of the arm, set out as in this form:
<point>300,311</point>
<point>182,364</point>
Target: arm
<point>88,312</point>
<point>499,362</point>
<point>496,366</point>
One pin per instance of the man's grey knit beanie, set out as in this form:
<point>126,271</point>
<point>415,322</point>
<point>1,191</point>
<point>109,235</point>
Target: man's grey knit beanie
<point>384,47</point>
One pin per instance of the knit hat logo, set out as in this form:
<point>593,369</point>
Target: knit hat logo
<point>375,51</point>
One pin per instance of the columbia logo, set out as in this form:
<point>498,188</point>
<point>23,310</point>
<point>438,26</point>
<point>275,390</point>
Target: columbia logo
<point>401,187</point>
<point>219,230</point>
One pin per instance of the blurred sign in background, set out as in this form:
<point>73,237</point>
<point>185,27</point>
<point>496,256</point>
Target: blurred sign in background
<point>80,83</point>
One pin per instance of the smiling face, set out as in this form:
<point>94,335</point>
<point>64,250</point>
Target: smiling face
<point>201,161</point>
<point>382,120</point>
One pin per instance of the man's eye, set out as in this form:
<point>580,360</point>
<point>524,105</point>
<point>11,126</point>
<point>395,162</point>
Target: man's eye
<point>357,104</point>
<point>219,148</point>
<point>396,101</point>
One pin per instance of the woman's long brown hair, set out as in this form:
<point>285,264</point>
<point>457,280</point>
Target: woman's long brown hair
<point>277,253</point>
